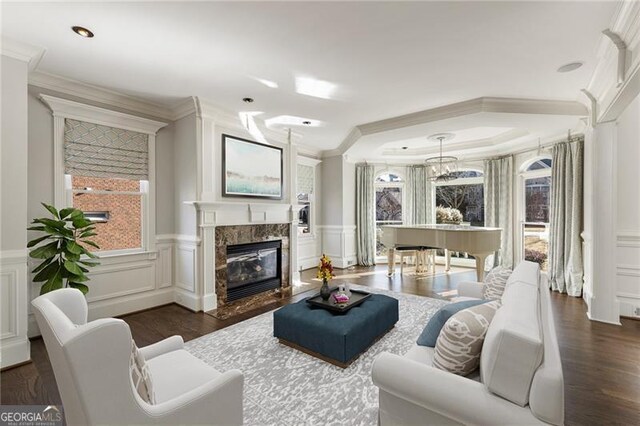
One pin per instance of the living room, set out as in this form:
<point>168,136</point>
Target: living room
<point>287,208</point>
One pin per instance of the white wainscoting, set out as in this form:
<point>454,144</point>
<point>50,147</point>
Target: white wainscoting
<point>309,250</point>
<point>628,273</point>
<point>339,243</point>
<point>125,283</point>
<point>14,344</point>
<point>186,277</point>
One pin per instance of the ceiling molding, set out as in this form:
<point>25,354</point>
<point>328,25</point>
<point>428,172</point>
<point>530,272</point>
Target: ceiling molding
<point>106,117</point>
<point>348,142</point>
<point>473,106</point>
<point>604,85</point>
<point>468,144</point>
<point>32,55</point>
<point>99,94</point>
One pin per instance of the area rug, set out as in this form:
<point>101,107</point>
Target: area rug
<point>286,387</point>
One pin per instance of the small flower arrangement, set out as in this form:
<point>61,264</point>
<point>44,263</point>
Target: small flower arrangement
<point>325,269</point>
<point>448,215</point>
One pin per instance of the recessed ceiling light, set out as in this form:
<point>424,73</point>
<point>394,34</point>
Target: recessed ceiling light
<point>82,31</point>
<point>570,67</point>
<point>247,100</point>
<point>306,123</point>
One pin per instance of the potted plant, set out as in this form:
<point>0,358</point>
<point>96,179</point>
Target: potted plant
<point>325,272</point>
<point>62,249</point>
<point>448,215</point>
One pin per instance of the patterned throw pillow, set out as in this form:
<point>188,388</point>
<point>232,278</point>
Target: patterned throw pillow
<point>140,375</point>
<point>460,341</point>
<point>429,335</point>
<point>495,282</point>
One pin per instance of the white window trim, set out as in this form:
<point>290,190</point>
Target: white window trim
<point>313,201</point>
<point>401,185</point>
<point>65,109</point>
<point>523,175</point>
<point>479,180</point>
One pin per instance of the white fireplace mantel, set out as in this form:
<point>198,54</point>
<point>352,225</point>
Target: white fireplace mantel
<point>212,214</point>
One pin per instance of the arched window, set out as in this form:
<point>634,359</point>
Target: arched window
<point>536,198</point>
<point>389,186</point>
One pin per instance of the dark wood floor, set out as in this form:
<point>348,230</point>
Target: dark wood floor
<point>601,362</point>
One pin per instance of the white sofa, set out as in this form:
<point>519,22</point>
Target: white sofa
<point>91,364</point>
<point>520,379</point>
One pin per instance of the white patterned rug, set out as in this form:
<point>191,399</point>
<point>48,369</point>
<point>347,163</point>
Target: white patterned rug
<point>284,386</point>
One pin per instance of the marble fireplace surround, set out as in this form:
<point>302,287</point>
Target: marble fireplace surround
<point>222,223</point>
<point>242,234</point>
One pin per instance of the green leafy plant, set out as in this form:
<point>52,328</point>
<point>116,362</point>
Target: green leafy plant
<point>62,249</point>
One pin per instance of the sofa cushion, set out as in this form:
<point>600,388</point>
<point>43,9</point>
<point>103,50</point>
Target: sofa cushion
<point>431,331</point>
<point>513,345</point>
<point>526,272</point>
<point>460,342</point>
<point>495,282</point>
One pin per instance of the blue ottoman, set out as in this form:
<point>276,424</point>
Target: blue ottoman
<point>335,338</point>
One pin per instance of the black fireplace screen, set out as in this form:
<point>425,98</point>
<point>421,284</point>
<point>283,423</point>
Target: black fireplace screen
<point>253,268</point>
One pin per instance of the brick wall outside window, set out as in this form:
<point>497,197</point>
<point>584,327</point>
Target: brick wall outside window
<point>123,230</point>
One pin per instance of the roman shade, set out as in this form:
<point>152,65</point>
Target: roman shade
<point>102,151</point>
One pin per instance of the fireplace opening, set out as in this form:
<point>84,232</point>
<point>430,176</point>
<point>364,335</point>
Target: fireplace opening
<point>253,268</point>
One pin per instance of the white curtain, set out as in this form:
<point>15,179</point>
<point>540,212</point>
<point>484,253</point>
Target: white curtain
<point>419,196</point>
<point>565,245</point>
<point>498,205</point>
<point>365,215</point>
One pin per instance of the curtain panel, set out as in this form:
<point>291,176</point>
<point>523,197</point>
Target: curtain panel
<point>365,215</point>
<point>419,196</point>
<point>498,205</point>
<point>565,245</point>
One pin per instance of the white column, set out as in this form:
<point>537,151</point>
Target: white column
<point>600,160</point>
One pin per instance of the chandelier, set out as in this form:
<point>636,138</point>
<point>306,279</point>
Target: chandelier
<point>443,167</point>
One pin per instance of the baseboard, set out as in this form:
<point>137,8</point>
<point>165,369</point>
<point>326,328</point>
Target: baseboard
<point>187,299</point>
<point>343,262</point>
<point>15,352</point>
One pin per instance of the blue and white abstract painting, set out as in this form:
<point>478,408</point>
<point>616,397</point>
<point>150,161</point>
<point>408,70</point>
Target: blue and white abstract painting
<point>252,169</point>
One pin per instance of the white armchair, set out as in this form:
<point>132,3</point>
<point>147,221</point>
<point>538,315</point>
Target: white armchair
<point>91,365</point>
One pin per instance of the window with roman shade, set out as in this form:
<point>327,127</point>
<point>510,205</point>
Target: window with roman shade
<point>106,152</point>
<point>107,171</point>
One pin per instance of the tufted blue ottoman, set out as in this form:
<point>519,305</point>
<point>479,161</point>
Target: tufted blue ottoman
<point>335,338</point>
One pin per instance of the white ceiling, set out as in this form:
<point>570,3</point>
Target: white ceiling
<point>385,59</point>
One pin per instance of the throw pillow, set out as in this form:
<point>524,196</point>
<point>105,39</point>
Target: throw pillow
<point>140,375</point>
<point>431,332</point>
<point>495,283</point>
<point>460,342</point>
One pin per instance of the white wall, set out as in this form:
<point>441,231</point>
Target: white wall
<point>338,210</point>
<point>13,212</point>
<point>628,210</point>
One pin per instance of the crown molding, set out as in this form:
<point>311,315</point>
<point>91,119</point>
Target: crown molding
<point>32,55</point>
<point>504,137</point>
<point>98,94</point>
<point>473,106</point>
<point>204,108</point>
<point>604,84</point>
<point>106,117</point>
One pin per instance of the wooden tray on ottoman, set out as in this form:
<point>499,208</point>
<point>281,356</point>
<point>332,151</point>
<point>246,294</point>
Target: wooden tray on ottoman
<point>357,297</point>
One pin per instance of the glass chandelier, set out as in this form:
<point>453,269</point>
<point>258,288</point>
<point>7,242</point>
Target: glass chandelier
<point>443,167</point>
